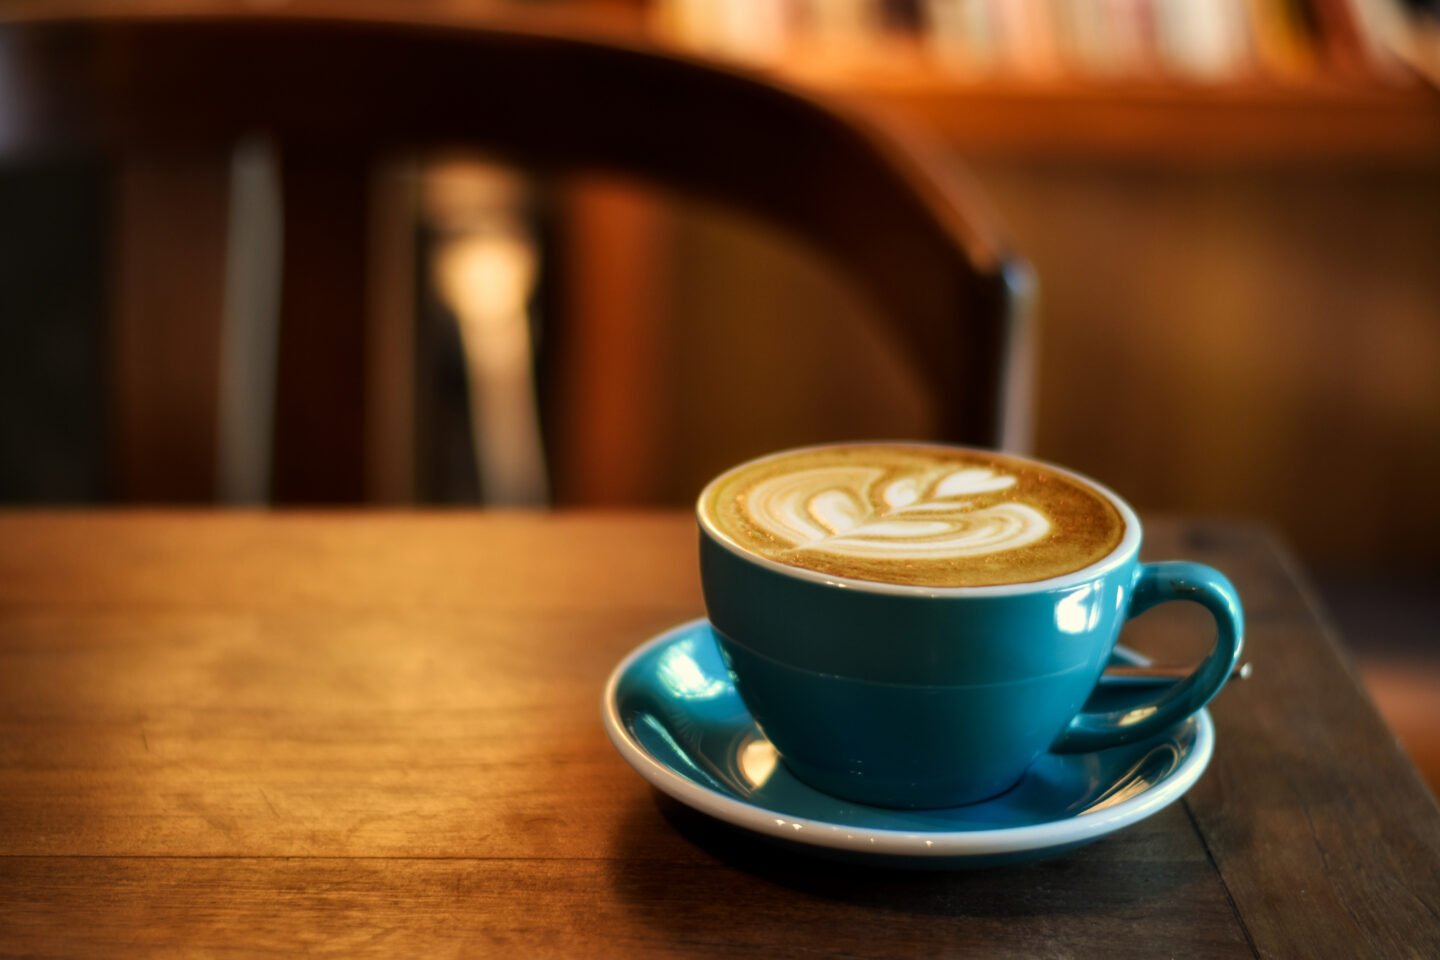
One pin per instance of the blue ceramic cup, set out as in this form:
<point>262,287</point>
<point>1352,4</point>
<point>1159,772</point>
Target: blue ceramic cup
<point>924,697</point>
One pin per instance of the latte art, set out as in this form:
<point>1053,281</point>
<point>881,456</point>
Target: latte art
<point>934,515</point>
<point>921,515</point>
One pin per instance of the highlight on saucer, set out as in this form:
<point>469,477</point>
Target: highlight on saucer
<point>913,514</point>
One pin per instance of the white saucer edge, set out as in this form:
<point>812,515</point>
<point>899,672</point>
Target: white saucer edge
<point>894,842</point>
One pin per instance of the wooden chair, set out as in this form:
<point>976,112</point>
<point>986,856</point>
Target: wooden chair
<point>336,95</point>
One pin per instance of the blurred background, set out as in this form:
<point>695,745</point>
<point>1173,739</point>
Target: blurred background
<point>1232,209</point>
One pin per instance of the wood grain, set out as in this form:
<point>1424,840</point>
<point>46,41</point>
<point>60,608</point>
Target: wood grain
<point>1323,831</point>
<point>616,907</point>
<point>377,734</point>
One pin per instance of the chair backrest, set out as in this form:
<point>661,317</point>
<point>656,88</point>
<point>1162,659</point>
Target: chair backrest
<point>338,93</point>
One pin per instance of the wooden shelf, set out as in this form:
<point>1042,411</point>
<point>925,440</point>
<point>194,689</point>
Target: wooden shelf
<point>1389,119</point>
<point>1240,123</point>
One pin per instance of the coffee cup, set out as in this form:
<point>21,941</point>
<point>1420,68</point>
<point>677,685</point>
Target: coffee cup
<point>912,625</point>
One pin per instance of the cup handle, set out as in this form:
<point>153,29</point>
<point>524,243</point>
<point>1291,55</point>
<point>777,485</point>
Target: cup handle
<point>1158,583</point>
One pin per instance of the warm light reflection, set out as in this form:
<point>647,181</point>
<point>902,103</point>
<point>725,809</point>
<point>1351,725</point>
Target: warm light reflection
<point>486,278</point>
<point>757,762</point>
<point>1145,773</point>
<point>1080,611</point>
<point>683,677</point>
<point>1133,717</point>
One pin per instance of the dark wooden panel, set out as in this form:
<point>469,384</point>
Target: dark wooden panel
<point>1229,300</point>
<point>390,348</point>
<point>52,337</point>
<point>320,395</point>
<point>168,276</point>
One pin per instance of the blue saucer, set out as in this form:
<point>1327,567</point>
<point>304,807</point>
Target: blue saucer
<point>673,713</point>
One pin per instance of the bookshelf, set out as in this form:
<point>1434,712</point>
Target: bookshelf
<point>1226,80</point>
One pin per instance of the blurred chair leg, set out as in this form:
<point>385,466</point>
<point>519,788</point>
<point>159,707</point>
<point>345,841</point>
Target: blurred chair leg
<point>391,475</point>
<point>168,275</point>
<point>251,326</point>
<point>320,401</point>
<point>607,413</point>
<point>483,265</point>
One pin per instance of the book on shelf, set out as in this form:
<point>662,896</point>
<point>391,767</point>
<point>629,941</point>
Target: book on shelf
<point>1215,42</point>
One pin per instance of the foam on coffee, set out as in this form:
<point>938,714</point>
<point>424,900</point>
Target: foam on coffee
<point>914,514</point>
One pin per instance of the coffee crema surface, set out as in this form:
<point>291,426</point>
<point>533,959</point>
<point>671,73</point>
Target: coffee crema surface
<point>914,514</point>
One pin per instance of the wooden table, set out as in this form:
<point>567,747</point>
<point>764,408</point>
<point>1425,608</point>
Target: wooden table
<point>379,734</point>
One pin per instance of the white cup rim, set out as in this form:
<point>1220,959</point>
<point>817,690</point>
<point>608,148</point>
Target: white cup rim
<point>1127,548</point>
